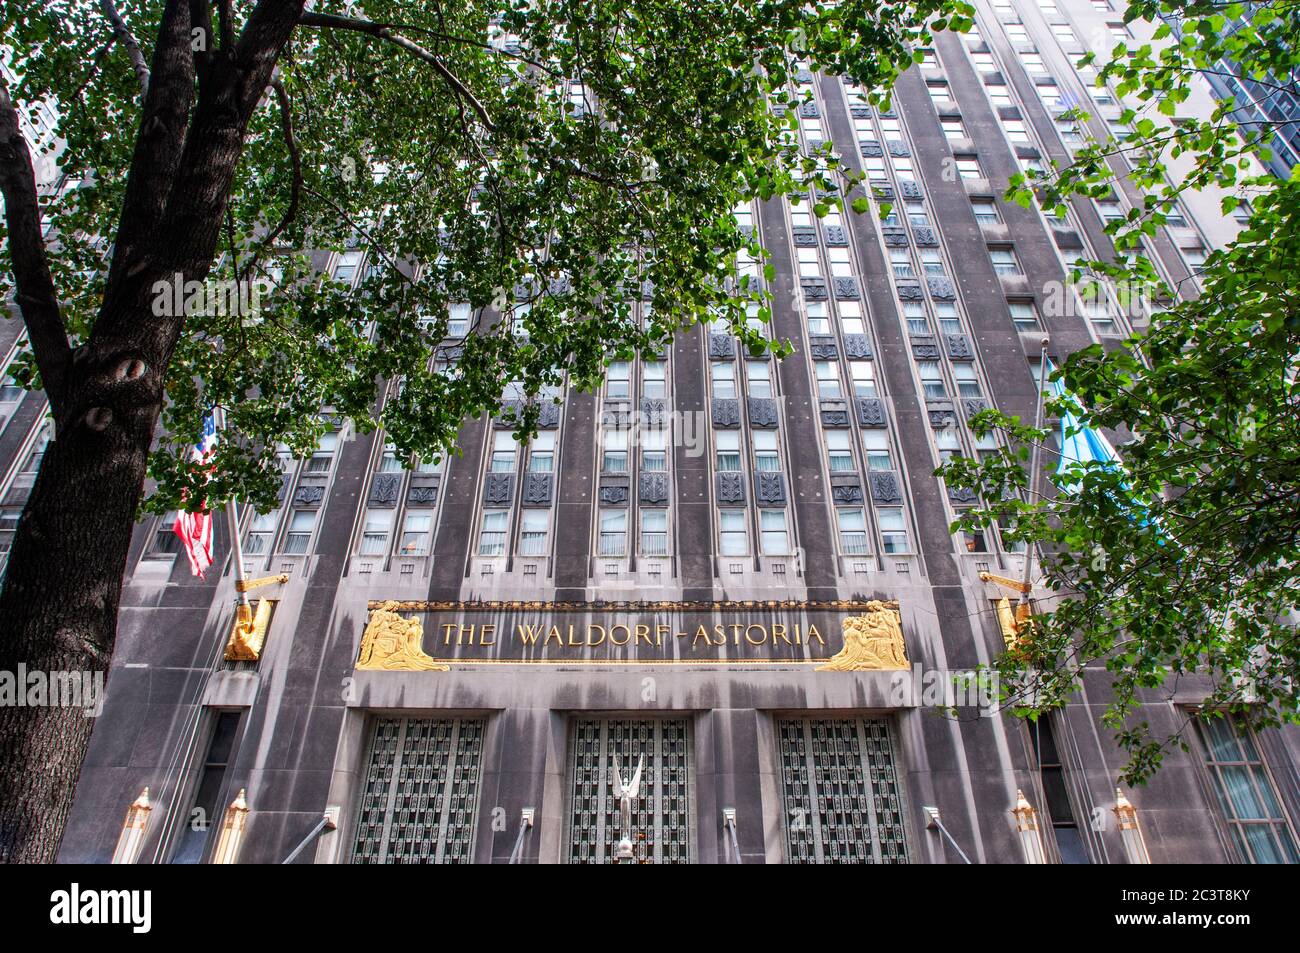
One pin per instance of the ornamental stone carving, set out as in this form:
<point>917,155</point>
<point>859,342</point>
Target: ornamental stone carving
<point>730,488</point>
<point>770,489</point>
<point>722,347</point>
<point>654,488</point>
<point>424,495</point>
<point>383,490</point>
<point>537,489</point>
<point>726,412</point>
<point>884,487</point>
<point>497,488</point>
<point>309,495</point>
<point>871,412</point>
<point>857,346</point>
<point>958,346</point>
<point>613,494</point>
<point>762,412</point>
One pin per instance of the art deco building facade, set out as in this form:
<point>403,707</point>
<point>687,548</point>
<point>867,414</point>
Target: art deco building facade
<point>727,577</point>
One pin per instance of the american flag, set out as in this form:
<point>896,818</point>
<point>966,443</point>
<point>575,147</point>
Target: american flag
<point>195,529</point>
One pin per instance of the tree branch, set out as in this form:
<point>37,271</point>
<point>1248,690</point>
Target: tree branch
<point>295,159</point>
<point>36,296</point>
<point>129,43</point>
<point>384,32</point>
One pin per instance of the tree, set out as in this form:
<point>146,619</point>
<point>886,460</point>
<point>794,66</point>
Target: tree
<point>560,155</point>
<point>1181,563</point>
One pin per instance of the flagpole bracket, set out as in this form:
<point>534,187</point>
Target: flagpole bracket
<point>244,585</point>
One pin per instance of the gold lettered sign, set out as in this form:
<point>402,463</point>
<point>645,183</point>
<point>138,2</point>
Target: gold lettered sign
<point>838,636</point>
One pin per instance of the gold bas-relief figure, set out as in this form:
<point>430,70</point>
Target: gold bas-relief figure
<point>873,641</point>
<point>248,634</point>
<point>395,644</point>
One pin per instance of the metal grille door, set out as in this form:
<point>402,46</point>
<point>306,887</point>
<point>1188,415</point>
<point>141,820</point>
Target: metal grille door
<point>843,803</point>
<point>662,814</point>
<point>421,792</point>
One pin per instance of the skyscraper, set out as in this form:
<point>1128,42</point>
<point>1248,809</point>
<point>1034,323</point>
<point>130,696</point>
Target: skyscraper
<point>713,612</point>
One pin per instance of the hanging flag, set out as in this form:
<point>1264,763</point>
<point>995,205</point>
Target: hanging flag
<point>195,529</point>
<point>1079,442</point>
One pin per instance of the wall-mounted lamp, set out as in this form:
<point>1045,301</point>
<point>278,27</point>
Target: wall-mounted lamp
<point>232,831</point>
<point>1027,826</point>
<point>1130,832</point>
<point>132,837</point>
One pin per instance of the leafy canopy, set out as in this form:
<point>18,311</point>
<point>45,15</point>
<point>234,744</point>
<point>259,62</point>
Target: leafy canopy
<point>1180,570</point>
<point>544,161</point>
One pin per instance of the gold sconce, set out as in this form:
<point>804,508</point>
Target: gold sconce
<point>1027,826</point>
<point>232,831</point>
<point>248,634</point>
<point>1130,832</point>
<point>132,837</point>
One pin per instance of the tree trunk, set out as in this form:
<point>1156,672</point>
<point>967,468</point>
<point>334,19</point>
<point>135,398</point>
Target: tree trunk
<point>58,616</point>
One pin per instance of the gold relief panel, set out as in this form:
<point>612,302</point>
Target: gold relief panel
<point>833,636</point>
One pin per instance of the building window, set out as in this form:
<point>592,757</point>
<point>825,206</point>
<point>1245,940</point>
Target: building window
<point>853,530</point>
<point>1023,315</point>
<point>541,452</point>
<point>851,318</point>
<point>298,539</point>
<point>617,377</point>
<point>1015,129</point>
<point>654,455</point>
<point>914,312</point>
<point>723,374</point>
<point>1068,840</point>
<point>613,533</point>
<point>774,538</point>
<point>728,450</point>
<point>809,266</point>
<point>1246,793</point>
<point>841,264</point>
<point>932,384</point>
<point>663,815</point>
<point>998,95</point>
<point>614,452</point>
<point>653,379</point>
<point>733,533</point>
<point>9,517</point>
<point>654,532</point>
<point>968,167</point>
<point>458,319</point>
<point>876,443</point>
<point>968,384</point>
<point>758,378</point>
<point>893,531</point>
<point>1017,33</point>
<point>949,321</point>
<point>415,534</point>
<point>208,806</point>
<point>1004,261</point>
<point>375,532</point>
<point>940,94</point>
<point>932,263</point>
<point>165,542</point>
<point>839,450</point>
<point>503,452</point>
<point>766,456</point>
<point>260,533</point>
<point>841,795</point>
<point>345,269</point>
<point>492,538</point>
<point>817,321</point>
<point>986,211</point>
<point>864,378</point>
<point>900,260</point>
<point>420,798</point>
<point>984,62</point>
<point>322,459</point>
<point>828,380</point>
<point>953,128</point>
<point>532,532</point>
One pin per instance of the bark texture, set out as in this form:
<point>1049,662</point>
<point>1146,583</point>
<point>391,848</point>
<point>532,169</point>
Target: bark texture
<point>58,607</point>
